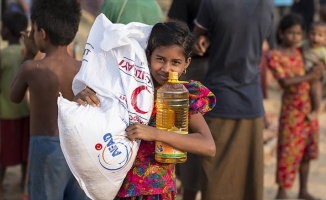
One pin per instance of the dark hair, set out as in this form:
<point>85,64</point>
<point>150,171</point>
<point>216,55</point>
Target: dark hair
<point>317,23</point>
<point>59,19</point>
<point>287,22</point>
<point>171,33</point>
<point>15,22</point>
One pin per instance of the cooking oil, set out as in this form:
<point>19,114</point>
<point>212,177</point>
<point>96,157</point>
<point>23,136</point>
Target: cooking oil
<point>172,115</point>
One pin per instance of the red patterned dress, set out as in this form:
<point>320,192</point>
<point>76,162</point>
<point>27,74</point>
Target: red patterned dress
<point>298,137</point>
<point>149,179</point>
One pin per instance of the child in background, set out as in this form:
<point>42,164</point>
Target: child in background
<point>315,52</point>
<point>49,176</point>
<point>14,118</point>
<point>298,136</point>
<point>169,48</point>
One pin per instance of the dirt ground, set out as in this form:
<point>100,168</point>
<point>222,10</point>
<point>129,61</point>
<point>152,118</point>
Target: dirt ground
<point>317,179</point>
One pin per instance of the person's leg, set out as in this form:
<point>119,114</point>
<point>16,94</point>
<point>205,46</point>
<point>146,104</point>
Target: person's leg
<point>45,176</point>
<point>281,193</point>
<point>73,190</point>
<point>23,172</point>
<point>23,127</point>
<point>303,191</point>
<point>303,171</point>
<point>236,172</point>
<point>190,178</point>
<point>189,194</point>
<point>9,145</point>
<point>311,152</point>
<point>316,96</point>
<point>290,148</point>
<point>2,173</point>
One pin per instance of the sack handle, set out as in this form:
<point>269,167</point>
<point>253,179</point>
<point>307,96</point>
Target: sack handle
<point>121,10</point>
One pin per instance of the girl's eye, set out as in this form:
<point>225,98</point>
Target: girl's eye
<point>159,59</point>
<point>176,63</point>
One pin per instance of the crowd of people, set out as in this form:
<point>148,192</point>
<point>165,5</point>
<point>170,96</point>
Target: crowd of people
<point>219,44</point>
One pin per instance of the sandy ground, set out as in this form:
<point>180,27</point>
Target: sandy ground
<point>317,179</point>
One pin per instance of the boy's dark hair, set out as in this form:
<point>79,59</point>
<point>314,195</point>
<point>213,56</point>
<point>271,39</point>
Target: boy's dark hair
<point>287,22</point>
<point>15,22</point>
<point>59,19</point>
<point>171,33</point>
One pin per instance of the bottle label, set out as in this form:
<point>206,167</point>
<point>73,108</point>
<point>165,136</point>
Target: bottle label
<point>165,150</point>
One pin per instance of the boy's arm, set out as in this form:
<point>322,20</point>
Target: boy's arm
<point>19,85</point>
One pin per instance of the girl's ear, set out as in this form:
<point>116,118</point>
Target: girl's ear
<point>43,34</point>
<point>188,61</point>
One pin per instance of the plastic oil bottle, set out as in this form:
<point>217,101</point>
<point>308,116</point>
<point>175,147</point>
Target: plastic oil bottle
<point>172,115</point>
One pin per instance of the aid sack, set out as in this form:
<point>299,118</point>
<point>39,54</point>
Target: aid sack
<point>93,139</point>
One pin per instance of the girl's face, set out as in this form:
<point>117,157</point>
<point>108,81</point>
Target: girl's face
<point>165,59</point>
<point>292,37</point>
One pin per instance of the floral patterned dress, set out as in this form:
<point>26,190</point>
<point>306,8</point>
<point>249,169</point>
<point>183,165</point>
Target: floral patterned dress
<point>298,137</point>
<point>149,179</point>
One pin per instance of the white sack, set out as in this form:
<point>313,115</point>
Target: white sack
<point>93,139</point>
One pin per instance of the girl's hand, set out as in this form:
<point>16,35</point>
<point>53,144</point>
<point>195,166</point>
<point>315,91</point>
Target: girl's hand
<point>87,96</point>
<point>141,131</point>
<point>317,70</point>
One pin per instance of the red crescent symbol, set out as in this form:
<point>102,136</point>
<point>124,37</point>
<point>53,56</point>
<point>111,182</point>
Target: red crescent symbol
<point>98,146</point>
<point>134,96</point>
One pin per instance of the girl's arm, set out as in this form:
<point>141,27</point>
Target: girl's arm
<point>314,74</point>
<point>200,142</point>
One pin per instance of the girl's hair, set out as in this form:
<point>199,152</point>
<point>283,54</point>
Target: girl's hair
<point>15,22</point>
<point>59,19</point>
<point>171,33</point>
<point>287,22</point>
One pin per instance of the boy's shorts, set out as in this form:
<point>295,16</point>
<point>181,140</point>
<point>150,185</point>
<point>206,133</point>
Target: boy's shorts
<point>49,176</point>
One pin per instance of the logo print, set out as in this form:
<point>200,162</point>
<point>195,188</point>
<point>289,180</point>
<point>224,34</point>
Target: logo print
<point>98,146</point>
<point>116,153</point>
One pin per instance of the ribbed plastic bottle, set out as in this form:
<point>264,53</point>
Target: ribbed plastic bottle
<point>172,115</point>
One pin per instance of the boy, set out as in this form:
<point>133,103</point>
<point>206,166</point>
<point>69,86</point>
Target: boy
<point>14,118</point>
<point>315,52</point>
<point>54,25</point>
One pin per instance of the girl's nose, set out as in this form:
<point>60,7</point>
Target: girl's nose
<point>166,68</point>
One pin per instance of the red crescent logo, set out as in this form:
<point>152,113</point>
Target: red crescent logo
<point>98,146</point>
<point>134,96</point>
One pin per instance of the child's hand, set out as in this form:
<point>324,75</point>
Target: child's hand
<point>87,96</point>
<point>317,70</point>
<point>29,43</point>
<point>141,131</point>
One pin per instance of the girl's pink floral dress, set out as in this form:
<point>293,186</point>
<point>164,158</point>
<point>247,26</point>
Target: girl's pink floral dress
<point>151,180</point>
<point>298,137</point>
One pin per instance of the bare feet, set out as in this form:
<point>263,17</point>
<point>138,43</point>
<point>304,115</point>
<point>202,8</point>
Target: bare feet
<point>282,195</point>
<point>307,197</point>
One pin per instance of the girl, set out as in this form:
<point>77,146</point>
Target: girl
<point>169,48</point>
<point>297,138</point>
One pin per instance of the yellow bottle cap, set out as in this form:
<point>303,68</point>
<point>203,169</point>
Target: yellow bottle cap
<point>173,76</point>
